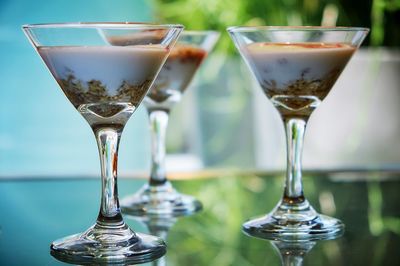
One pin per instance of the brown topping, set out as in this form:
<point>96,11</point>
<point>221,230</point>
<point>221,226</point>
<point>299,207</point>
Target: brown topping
<point>187,53</point>
<point>300,97</point>
<point>143,38</point>
<point>95,92</point>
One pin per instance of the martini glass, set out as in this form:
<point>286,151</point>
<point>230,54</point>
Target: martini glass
<point>158,197</point>
<point>296,68</point>
<point>105,83</point>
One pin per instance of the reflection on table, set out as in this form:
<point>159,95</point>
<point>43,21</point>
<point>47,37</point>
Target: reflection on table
<point>37,211</point>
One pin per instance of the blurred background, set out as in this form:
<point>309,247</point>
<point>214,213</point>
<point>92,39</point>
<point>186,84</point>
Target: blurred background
<point>224,121</point>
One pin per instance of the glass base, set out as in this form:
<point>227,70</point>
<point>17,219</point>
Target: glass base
<point>160,200</point>
<point>294,222</point>
<point>100,244</point>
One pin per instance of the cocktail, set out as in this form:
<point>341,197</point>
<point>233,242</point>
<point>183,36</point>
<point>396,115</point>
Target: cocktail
<point>158,197</point>
<point>105,83</point>
<point>296,67</point>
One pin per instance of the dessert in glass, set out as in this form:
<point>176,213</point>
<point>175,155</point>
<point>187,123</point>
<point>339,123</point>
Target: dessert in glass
<point>296,67</point>
<point>105,83</point>
<point>158,197</point>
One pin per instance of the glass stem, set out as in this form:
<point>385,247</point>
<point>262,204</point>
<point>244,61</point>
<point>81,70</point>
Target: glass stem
<point>108,141</point>
<point>158,124</point>
<point>295,128</point>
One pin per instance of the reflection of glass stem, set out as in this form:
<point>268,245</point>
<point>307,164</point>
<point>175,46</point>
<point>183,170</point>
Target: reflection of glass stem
<point>158,123</point>
<point>160,227</point>
<point>160,262</point>
<point>293,253</point>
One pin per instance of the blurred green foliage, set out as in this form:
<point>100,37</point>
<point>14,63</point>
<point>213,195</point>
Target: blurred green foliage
<point>214,237</point>
<point>385,22</point>
<point>382,16</point>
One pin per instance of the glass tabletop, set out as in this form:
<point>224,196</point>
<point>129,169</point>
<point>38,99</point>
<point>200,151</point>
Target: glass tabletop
<point>34,212</point>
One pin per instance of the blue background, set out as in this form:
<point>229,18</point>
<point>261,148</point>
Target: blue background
<point>40,131</point>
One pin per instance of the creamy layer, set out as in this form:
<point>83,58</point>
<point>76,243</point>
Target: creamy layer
<point>283,63</point>
<point>104,74</point>
<point>297,76</point>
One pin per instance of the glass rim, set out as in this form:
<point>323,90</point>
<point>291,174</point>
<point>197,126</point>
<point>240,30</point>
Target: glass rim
<point>110,25</point>
<point>234,29</point>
